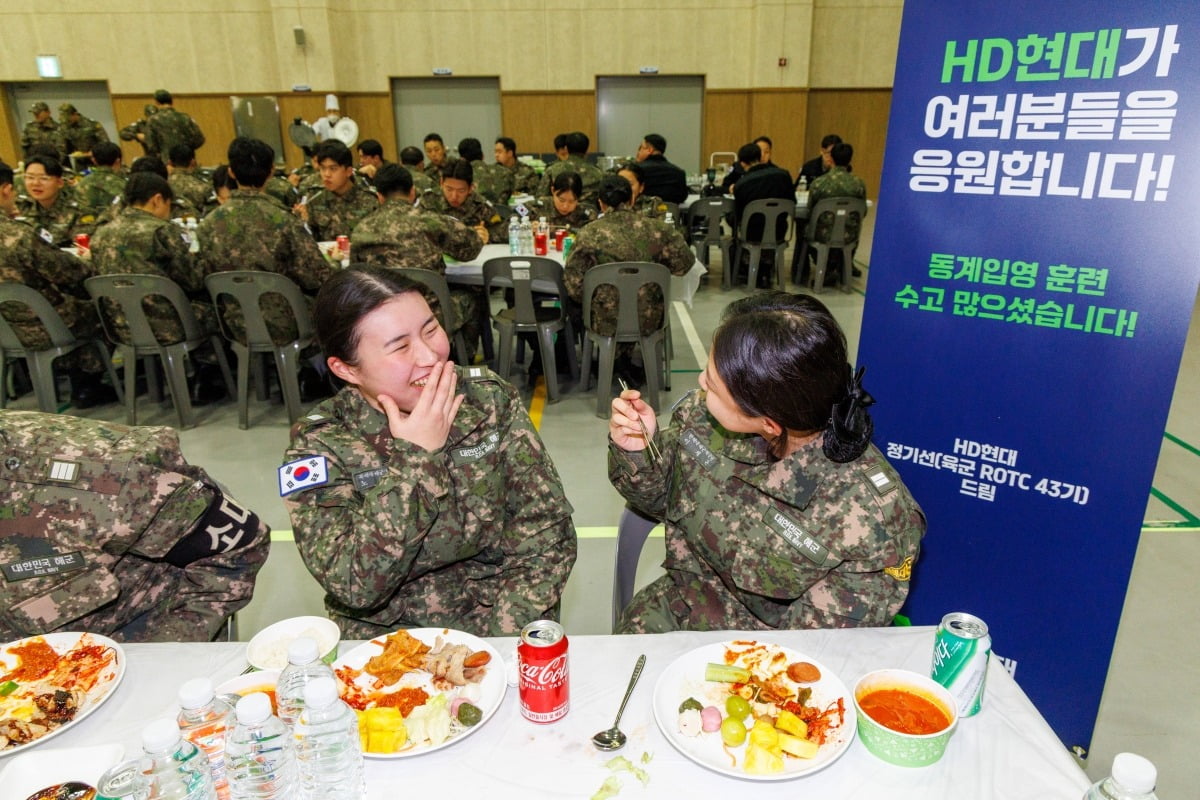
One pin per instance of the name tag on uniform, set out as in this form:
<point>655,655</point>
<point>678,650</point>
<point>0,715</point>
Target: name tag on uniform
<point>794,533</point>
<point>368,478</point>
<point>41,566</point>
<point>467,455</point>
<point>698,449</point>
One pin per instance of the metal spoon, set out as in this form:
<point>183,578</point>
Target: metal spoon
<point>613,739</point>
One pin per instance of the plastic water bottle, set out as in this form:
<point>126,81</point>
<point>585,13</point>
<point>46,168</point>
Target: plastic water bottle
<point>526,238</point>
<point>124,781</point>
<point>304,664</point>
<point>1133,778</point>
<point>260,762</point>
<point>803,185</point>
<point>328,750</point>
<point>514,236</point>
<point>204,721</point>
<point>175,768</point>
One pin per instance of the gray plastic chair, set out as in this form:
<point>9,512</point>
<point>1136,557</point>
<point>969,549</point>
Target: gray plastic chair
<point>844,210</point>
<point>246,289</point>
<point>41,362</point>
<point>436,284</point>
<point>704,218</point>
<point>771,210</point>
<point>528,316</point>
<point>628,277</point>
<point>128,292</point>
<point>632,532</point>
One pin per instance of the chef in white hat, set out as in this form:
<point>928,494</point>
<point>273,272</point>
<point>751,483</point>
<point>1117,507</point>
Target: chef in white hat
<point>323,127</point>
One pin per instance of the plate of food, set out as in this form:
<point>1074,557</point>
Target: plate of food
<point>419,690</point>
<point>49,683</point>
<point>754,710</point>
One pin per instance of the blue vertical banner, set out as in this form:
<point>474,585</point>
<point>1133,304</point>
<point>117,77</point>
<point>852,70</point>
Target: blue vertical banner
<point>1034,268</point>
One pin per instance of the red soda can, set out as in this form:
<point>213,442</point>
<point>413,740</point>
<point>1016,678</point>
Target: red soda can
<point>542,671</point>
<point>343,243</point>
<point>559,235</point>
<point>541,244</point>
<point>83,241</point>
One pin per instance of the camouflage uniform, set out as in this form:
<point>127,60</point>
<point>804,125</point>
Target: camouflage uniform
<point>421,181</point>
<point>189,185</point>
<point>331,215</point>
<point>544,207</point>
<point>590,174</point>
<point>837,182</point>
<point>474,211</point>
<point>82,136</point>
<point>624,235</point>
<point>46,132</point>
<point>168,128</point>
<point>252,231</point>
<point>108,529</point>
<point>281,190</point>
<point>434,172</point>
<point>493,182</point>
<point>400,236</point>
<point>58,224</point>
<point>58,277</point>
<point>525,178</point>
<point>756,544</point>
<point>98,189</point>
<point>650,205</point>
<point>475,536</point>
<point>139,243</point>
<point>130,132</point>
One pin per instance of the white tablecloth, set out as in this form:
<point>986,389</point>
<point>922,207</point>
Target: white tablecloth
<point>1005,752</point>
<point>470,273</point>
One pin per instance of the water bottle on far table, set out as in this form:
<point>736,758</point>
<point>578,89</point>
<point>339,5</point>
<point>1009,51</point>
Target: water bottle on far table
<point>304,664</point>
<point>177,769</point>
<point>1133,778</point>
<point>526,248</point>
<point>328,750</point>
<point>803,183</point>
<point>260,762</point>
<point>514,235</point>
<point>204,721</point>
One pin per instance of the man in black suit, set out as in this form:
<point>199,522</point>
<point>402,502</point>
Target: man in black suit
<point>762,181</point>
<point>818,166</point>
<point>662,178</point>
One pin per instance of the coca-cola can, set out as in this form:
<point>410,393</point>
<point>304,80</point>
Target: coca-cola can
<point>83,241</point>
<point>543,675</point>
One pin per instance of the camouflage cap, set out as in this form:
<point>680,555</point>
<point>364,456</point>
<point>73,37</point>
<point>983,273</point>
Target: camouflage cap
<point>67,108</point>
<point>38,108</point>
<point>150,109</point>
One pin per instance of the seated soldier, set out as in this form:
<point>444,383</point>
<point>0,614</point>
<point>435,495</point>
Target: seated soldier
<point>111,531</point>
<point>101,187</point>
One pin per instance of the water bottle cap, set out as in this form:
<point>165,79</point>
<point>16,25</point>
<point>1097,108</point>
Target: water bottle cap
<point>320,692</point>
<point>1134,773</point>
<point>303,651</point>
<point>160,736</point>
<point>253,709</point>
<point>196,693</point>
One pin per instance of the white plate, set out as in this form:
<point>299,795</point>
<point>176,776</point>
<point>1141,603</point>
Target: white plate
<point>36,770</point>
<point>684,678</point>
<point>491,688</point>
<point>109,679</point>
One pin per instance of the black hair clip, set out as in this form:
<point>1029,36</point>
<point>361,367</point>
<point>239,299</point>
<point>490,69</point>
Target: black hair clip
<point>850,427</point>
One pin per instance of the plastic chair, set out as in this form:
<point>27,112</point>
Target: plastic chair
<point>704,219</point>
<point>627,277</point>
<point>527,316</point>
<point>246,289</point>
<point>441,290</point>
<point>771,210</point>
<point>844,210</point>
<point>128,292</point>
<point>41,362</point>
<point>632,532</point>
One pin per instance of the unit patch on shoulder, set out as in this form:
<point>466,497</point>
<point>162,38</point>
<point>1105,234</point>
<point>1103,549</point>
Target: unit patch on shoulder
<point>902,571</point>
<point>474,373</point>
<point>879,480</point>
<point>303,473</point>
<point>65,471</point>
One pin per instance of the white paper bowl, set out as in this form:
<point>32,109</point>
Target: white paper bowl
<point>268,648</point>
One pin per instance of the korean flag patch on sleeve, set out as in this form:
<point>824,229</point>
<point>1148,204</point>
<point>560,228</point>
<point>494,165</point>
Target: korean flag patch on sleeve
<point>304,473</point>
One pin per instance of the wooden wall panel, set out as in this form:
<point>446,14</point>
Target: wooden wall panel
<point>376,120</point>
<point>10,136</point>
<point>781,115</point>
<point>533,119</point>
<point>726,122</point>
<point>308,106</point>
<point>860,117</point>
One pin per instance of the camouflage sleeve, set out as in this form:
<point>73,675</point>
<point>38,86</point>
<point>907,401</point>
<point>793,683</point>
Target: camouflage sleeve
<point>582,258</point>
<point>129,132</point>
<point>676,254</point>
<point>306,266</point>
<point>457,239</point>
<point>101,134</point>
<point>496,224</point>
<point>644,485</point>
<point>361,546</point>
<point>173,252</point>
<point>60,268</point>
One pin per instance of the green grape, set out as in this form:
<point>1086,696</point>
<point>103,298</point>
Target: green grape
<point>733,731</point>
<point>737,706</point>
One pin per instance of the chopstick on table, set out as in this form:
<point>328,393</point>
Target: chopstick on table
<point>652,452</point>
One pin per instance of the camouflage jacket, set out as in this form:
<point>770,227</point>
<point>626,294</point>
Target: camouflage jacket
<point>493,182</point>
<point>421,181</point>
<point>754,543</point>
<point>43,133</point>
<point>650,205</point>
<point>590,174</point>
<point>525,178</point>
<point>837,182</point>
<point>57,276</point>
<point>281,190</point>
<point>82,136</point>
<point>544,207</point>
<point>398,235</point>
<point>475,536</point>
<point>98,189</point>
<point>625,235</point>
<point>331,216</point>
<point>252,231</point>
<point>107,529</point>
<point>58,224</point>
<point>169,127</point>
<point>433,171</point>
<point>474,211</point>
<point>191,186</point>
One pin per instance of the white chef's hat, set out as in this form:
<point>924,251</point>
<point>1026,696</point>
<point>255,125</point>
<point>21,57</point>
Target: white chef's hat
<point>331,102</point>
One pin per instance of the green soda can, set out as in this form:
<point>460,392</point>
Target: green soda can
<point>961,650</point>
<point>568,243</point>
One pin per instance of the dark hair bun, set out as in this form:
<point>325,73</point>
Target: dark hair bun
<point>850,426</point>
